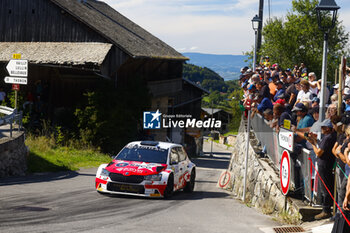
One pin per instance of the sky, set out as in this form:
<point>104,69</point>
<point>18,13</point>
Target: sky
<point>207,26</point>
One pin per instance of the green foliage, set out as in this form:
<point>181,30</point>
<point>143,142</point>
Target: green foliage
<point>215,97</point>
<point>105,120</point>
<point>228,102</point>
<point>59,135</point>
<point>47,156</point>
<point>232,85</point>
<point>110,118</point>
<point>235,110</point>
<point>297,38</point>
<point>11,98</point>
<point>205,76</point>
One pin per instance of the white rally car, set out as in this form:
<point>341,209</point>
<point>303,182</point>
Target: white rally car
<point>147,168</point>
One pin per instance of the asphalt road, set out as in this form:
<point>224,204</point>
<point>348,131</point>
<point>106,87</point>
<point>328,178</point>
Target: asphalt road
<point>67,202</point>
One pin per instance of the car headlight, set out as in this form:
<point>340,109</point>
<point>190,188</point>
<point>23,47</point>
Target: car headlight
<point>156,177</point>
<point>104,172</point>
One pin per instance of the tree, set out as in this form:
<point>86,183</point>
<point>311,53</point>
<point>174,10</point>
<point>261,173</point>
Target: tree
<point>208,79</point>
<point>110,118</point>
<point>215,97</point>
<point>297,39</point>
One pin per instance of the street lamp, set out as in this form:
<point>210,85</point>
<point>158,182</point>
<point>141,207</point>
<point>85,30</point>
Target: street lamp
<point>326,17</point>
<point>255,23</point>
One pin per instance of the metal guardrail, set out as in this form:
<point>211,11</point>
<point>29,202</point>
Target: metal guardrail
<point>268,137</point>
<point>10,117</point>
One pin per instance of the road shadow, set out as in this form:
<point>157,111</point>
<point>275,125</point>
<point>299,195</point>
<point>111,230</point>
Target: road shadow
<point>178,195</point>
<point>37,178</point>
<point>198,195</point>
<point>212,162</point>
<point>217,153</point>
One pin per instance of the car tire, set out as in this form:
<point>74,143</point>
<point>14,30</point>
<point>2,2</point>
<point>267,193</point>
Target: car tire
<point>190,185</point>
<point>169,190</point>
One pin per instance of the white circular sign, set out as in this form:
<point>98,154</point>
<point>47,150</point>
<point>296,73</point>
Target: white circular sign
<point>285,172</point>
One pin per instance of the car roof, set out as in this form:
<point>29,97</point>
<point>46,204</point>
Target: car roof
<point>163,145</point>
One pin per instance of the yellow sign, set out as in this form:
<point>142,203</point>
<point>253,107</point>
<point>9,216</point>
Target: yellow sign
<point>155,195</point>
<point>16,56</point>
<point>286,124</point>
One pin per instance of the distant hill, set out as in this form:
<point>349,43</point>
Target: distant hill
<point>204,76</point>
<point>227,66</point>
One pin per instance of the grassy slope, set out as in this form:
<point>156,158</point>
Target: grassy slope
<point>46,156</point>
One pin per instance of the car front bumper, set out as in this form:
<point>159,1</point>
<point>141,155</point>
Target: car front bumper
<point>145,189</point>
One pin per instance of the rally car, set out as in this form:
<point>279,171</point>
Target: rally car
<point>147,168</point>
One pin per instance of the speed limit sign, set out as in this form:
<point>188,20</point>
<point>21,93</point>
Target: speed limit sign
<point>285,172</point>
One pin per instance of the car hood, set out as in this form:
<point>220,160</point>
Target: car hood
<point>128,168</point>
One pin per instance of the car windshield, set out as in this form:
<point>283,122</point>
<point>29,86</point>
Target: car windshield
<point>143,154</point>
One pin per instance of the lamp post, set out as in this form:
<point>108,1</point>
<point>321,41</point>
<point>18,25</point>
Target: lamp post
<point>255,23</point>
<point>326,17</point>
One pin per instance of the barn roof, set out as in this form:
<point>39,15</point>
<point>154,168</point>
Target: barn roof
<point>56,53</point>
<point>122,32</point>
<point>196,86</point>
<point>212,110</point>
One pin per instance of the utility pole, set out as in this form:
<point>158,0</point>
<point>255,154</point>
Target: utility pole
<point>261,14</point>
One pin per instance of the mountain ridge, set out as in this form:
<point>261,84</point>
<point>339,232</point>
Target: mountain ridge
<point>227,66</point>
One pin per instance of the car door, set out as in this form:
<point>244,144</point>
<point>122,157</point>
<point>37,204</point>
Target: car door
<point>183,165</point>
<point>174,163</point>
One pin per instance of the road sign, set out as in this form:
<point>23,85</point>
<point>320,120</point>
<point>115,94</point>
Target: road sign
<point>285,172</point>
<point>16,80</point>
<point>286,124</point>
<point>286,139</point>
<point>16,56</point>
<point>18,68</point>
<point>15,87</point>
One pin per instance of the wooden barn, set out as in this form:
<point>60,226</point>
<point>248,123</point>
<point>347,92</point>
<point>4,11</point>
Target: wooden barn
<point>73,44</point>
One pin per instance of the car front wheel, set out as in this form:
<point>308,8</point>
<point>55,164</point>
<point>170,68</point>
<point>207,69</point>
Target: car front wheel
<point>169,190</point>
<point>190,185</point>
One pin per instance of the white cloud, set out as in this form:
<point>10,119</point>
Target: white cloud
<point>207,26</point>
<point>246,4</point>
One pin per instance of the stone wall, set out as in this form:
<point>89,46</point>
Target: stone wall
<point>13,156</point>
<point>231,140</point>
<point>263,184</point>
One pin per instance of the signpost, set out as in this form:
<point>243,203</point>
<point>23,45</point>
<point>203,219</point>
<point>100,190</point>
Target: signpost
<point>18,68</point>
<point>18,71</point>
<point>286,139</point>
<point>285,172</point>
<point>16,80</point>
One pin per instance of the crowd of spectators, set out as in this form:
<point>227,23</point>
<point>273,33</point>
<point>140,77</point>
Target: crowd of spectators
<point>294,94</point>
